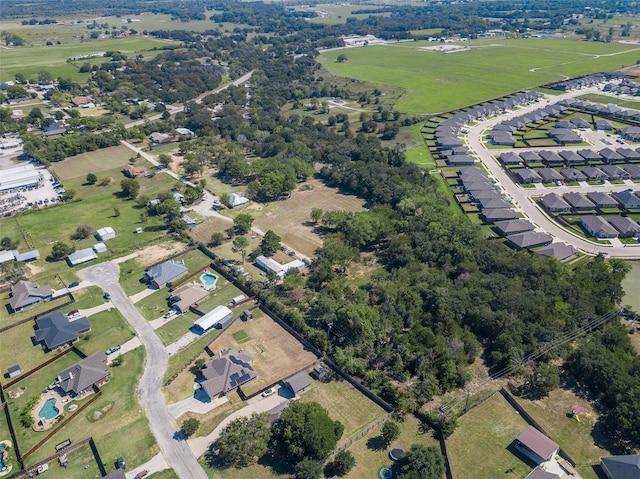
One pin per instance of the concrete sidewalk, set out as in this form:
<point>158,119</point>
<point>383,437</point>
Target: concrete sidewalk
<point>130,345</point>
<point>181,343</point>
<point>141,295</point>
<point>194,405</point>
<point>155,464</point>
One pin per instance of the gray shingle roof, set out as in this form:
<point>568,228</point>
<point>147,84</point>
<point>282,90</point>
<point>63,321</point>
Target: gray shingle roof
<point>166,272</point>
<point>622,467</point>
<point>598,227</point>
<point>578,201</point>
<point>299,382</point>
<point>529,239</point>
<point>56,330</point>
<point>24,293</point>
<point>84,373</point>
<point>226,372</point>
<point>560,251</point>
<point>554,202</point>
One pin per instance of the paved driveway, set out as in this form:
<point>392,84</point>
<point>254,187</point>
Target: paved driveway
<point>176,453</point>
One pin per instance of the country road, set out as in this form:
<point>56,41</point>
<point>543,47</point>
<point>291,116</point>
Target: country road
<point>176,453</point>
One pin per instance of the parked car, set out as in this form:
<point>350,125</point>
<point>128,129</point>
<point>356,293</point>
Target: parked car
<point>73,285</point>
<point>107,295</point>
<point>269,392</point>
<point>73,314</point>
<point>121,464</point>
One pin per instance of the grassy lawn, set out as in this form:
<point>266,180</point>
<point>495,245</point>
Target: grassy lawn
<point>187,355</point>
<point>18,340</point>
<point>576,438</point>
<point>371,456</point>
<point>108,328</point>
<point>5,436</point>
<point>241,336</point>
<point>478,447</point>
<point>276,354</point>
<point>166,474</point>
<point>487,70</point>
<point>155,305</point>
<point>121,429</point>
<point>344,403</point>
<point>175,328</point>
<point>7,318</point>
<point>96,162</point>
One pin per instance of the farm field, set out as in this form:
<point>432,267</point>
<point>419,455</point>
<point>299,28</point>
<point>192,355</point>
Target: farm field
<point>336,14</point>
<point>479,446</point>
<point>436,82</point>
<point>29,60</point>
<point>276,354</point>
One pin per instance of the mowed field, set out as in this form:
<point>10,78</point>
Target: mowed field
<point>436,82</point>
<point>631,285</point>
<point>276,354</point>
<point>29,60</point>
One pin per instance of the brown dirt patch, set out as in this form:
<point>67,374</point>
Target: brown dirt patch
<point>276,354</point>
<point>16,393</point>
<point>154,253</point>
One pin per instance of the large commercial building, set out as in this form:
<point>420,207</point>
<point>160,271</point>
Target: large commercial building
<point>19,177</point>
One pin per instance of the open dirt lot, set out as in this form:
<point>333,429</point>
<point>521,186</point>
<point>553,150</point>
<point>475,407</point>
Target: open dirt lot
<point>154,253</point>
<point>276,354</point>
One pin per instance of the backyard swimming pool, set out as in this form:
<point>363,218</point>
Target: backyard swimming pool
<point>208,280</point>
<point>49,410</point>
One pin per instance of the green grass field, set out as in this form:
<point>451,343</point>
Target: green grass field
<point>436,82</point>
<point>631,285</point>
<point>29,60</point>
<point>478,447</point>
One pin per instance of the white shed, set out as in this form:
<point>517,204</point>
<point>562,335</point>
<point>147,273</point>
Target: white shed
<point>106,233</point>
<point>100,248</point>
<point>217,317</point>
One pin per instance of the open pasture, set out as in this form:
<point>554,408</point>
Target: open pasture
<point>92,162</point>
<point>436,81</point>
<point>29,60</point>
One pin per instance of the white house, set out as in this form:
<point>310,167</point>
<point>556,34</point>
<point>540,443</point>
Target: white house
<point>269,264</point>
<point>236,200</point>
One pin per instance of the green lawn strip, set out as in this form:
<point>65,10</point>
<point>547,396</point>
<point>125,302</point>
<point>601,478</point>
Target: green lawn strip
<point>478,447</point>
<point>131,274</point>
<point>344,403</point>
<point>576,438</point>
<point>166,474</point>
<point>33,386</point>
<point>120,429</point>
<point>371,456</point>
<point>174,329</point>
<point>241,336</point>
<point>631,285</point>
<point>186,355</point>
<point>606,99</point>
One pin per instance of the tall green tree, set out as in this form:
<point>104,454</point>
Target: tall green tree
<point>422,462</point>
<point>240,245</point>
<point>130,188</point>
<point>270,243</point>
<point>244,440</point>
<point>242,223</point>
<point>390,432</point>
<point>306,430</point>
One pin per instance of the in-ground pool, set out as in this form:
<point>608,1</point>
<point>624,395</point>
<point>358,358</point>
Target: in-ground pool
<point>2,448</point>
<point>208,280</point>
<point>49,410</point>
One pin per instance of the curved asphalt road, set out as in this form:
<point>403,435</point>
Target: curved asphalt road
<point>522,196</point>
<point>177,454</point>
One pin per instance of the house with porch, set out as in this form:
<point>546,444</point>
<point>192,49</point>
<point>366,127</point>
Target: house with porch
<point>83,376</point>
<point>25,294</point>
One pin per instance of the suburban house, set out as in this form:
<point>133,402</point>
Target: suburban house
<point>578,202</point>
<point>603,125</point>
<point>81,256</point>
<point>25,294</point>
<point>559,251</point>
<point>186,296</point>
<point>482,195</point>
<point>492,203</point>
<point>626,226</point>
<point>602,200</point>
<point>80,378</point>
<point>227,371</point>
<point>299,383</point>
<point>551,157</point>
<point>571,157</point>
<point>554,203</point>
<point>106,233</point>
<point>633,171</point>
<point>598,227</point>
<point>510,158</point>
<point>269,264</point>
<point>529,239</point>
<point>549,175</point>
<point>535,445</point>
<point>610,156</point>
<point>185,132</point>
<point>218,318</point>
<point>530,157</point>
<point>57,330</point>
<point>54,130</point>
<point>236,200</point>
<point>165,273</point>
<point>627,200</point>
<point>134,171</point>
<point>571,174</point>
<point>631,133</point>
<point>510,227</point>
<point>594,174</point>
<point>27,255</point>
<point>621,467</point>
<point>589,155</point>
<point>499,214</point>
<point>614,172</point>
<point>161,138</point>
<point>527,175</point>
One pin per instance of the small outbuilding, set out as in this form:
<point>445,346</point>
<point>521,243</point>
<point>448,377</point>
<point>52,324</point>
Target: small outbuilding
<point>535,445</point>
<point>100,248</point>
<point>81,256</point>
<point>14,371</point>
<point>236,200</point>
<point>299,382</point>
<point>218,318</point>
<point>106,233</point>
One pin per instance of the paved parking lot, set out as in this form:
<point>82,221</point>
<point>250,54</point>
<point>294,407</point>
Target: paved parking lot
<point>23,199</point>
